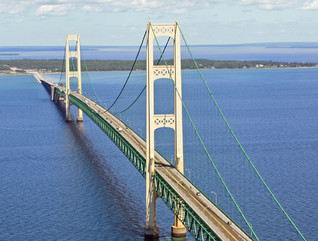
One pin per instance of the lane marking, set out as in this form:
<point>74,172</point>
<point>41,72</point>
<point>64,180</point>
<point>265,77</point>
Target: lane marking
<point>95,106</point>
<point>180,185</point>
<point>133,138</point>
<point>195,198</point>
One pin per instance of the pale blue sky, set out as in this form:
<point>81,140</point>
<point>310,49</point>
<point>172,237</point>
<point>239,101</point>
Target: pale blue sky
<point>123,22</point>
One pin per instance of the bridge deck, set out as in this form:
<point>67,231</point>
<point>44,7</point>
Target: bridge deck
<point>221,224</point>
<point>223,227</point>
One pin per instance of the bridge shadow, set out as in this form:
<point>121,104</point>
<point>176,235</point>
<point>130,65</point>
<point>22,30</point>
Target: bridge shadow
<point>119,193</point>
<point>130,212</point>
<point>114,186</point>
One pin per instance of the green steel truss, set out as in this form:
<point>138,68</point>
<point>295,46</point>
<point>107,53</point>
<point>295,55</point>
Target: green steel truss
<point>59,93</point>
<point>135,158</point>
<point>194,224</point>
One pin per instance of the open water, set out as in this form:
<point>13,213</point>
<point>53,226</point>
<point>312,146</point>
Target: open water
<point>67,181</point>
<point>285,52</point>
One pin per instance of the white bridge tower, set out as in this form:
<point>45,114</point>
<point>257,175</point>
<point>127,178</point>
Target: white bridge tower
<point>155,121</point>
<point>71,55</point>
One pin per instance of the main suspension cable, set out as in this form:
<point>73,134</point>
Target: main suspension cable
<point>239,144</point>
<point>131,70</point>
<point>200,139</point>
<point>63,64</point>
<point>142,91</point>
<point>95,94</point>
<point>90,81</point>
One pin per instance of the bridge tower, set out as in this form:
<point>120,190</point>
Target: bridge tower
<point>70,55</point>
<point>155,121</point>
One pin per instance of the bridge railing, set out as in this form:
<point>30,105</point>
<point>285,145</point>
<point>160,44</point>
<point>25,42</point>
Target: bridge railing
<point>195,225</point>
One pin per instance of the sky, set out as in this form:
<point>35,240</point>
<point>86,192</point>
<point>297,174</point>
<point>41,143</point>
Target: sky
<point>123,22</point>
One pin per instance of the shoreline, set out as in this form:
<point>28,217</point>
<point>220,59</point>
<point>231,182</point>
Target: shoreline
<point>101,71</point>
<point>57,66</point>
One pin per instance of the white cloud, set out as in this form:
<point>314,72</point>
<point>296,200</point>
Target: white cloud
<point>311,5</point>
<point>281,4</point>
<point>13,7</point>
<point>138,5</point>
<point>178,11</point>
<point>177,7</point>
<point>53,10</point>
<point>90,8</point>
<point>273,4</point>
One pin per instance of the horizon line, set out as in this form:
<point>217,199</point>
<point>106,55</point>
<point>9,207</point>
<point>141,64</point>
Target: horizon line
<point>217,45</point>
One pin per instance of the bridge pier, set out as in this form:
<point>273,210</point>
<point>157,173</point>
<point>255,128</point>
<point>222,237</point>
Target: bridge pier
<point>152,232</point>
<point>151,229</point>
<point>79,115</point>
<point>178,230</point>
<point>52,92</point>
<point>68,117</point>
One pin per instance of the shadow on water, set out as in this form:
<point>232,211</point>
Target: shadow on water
<point>131,214</point>
<point>119,193</point>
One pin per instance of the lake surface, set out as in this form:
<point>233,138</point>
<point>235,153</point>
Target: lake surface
<point>67,181</point>
<point>285,52</point>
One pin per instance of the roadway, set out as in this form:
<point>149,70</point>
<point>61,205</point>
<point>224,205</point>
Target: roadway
<point>204,208</point>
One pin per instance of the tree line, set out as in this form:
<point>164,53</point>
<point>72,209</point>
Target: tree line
<point>58,65</point>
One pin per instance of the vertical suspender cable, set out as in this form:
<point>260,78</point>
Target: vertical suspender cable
<point>202,143</point>
<point>241,147</point>
<point>145,85</point>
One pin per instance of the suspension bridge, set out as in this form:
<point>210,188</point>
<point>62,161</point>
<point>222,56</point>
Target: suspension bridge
<point>226,198</point>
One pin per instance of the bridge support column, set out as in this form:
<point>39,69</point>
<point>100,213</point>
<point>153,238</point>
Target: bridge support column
<point>151,229</point>
<point>68,117</point>
<point>178,230</point>
<point>155,121</point>
<point>52,92</point>
<point>79,115</point>
<point>72,55</point>
<point>79,76</point>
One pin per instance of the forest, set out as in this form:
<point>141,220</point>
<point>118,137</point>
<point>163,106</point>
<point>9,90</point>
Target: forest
<point>58,65</point>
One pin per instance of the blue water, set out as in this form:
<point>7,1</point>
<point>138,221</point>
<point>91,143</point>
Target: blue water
<point>286,52</point>
<point>67,181</point>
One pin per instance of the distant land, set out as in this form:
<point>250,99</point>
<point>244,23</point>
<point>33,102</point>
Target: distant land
<point>57,65</point>
<point>111,58</point>
<point>278,52</point>
<point>270,45</point>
